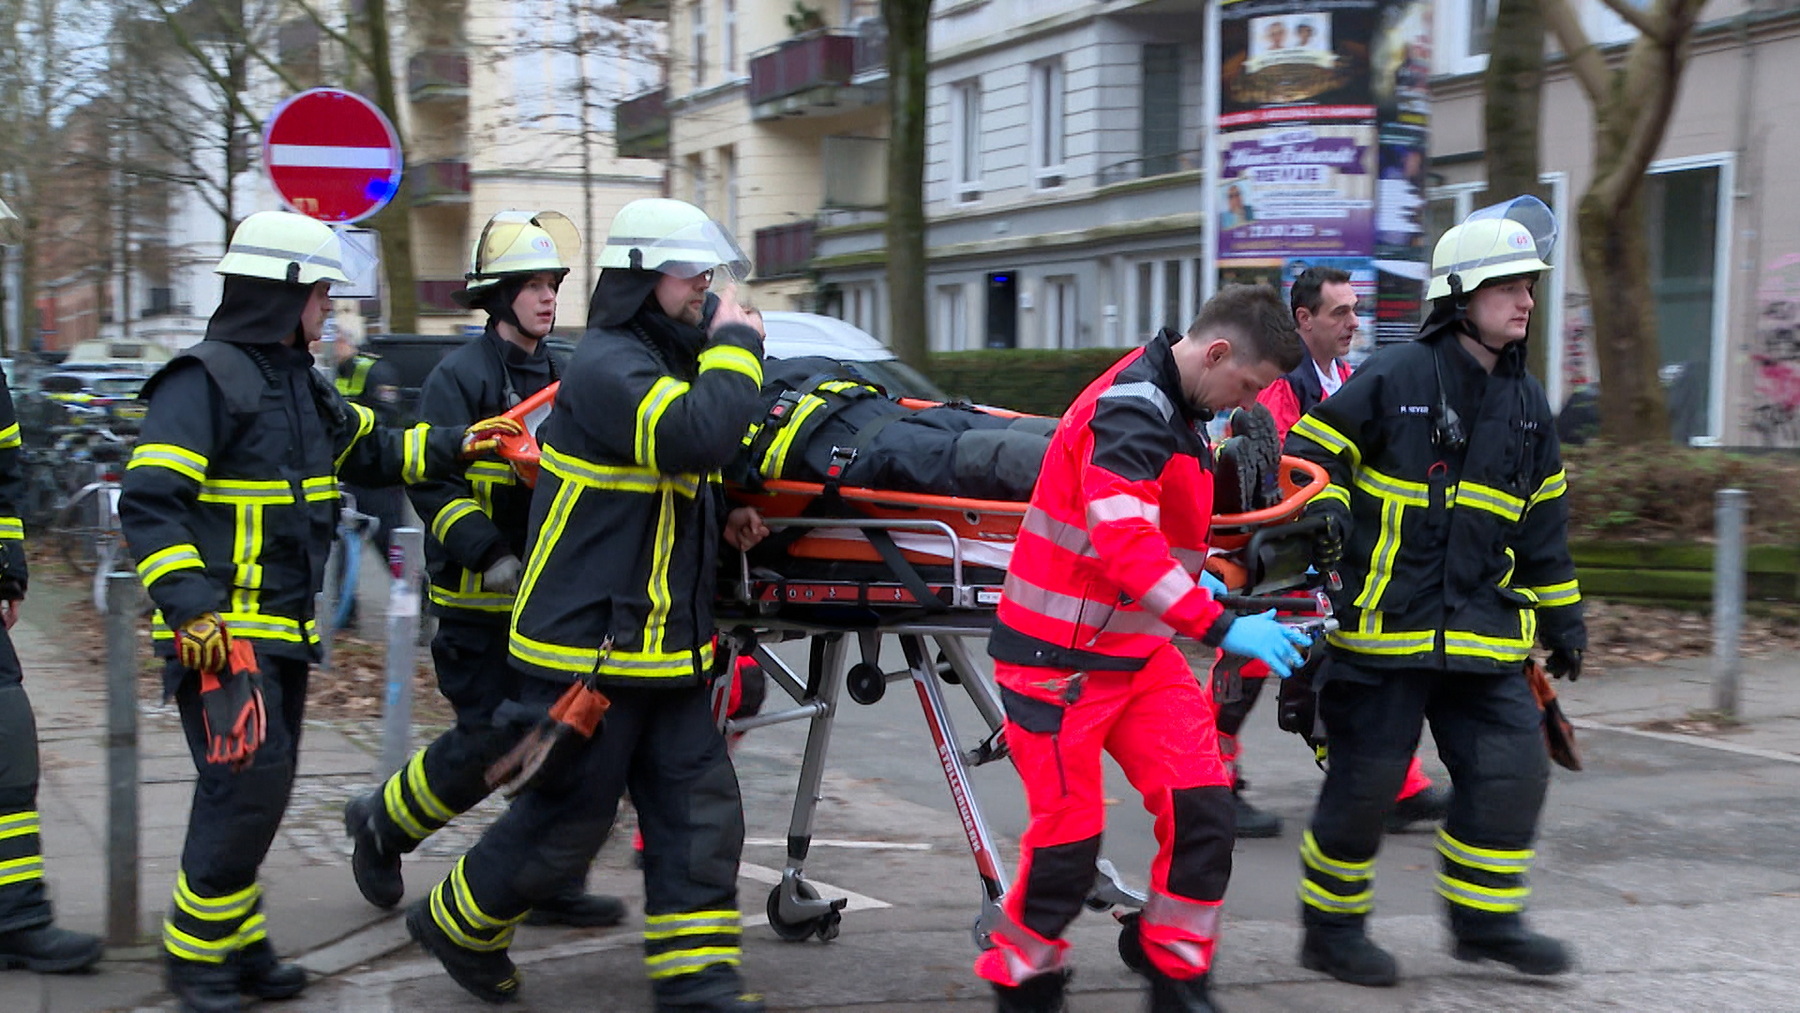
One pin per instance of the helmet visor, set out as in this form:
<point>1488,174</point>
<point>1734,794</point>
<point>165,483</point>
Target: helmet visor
<point>359,255</point>
<point>1533,214</point>
<point>502,232</point>
<point>693,250</point>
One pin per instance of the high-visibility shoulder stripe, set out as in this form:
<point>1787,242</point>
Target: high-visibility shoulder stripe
<point>735,359</point>
<point>177,459</point>
<point>1313,428</point>
<point>163,562</point>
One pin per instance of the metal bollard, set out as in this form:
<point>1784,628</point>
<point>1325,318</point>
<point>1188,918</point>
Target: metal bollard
<point>1730,508</point>
<point>402,647</point>
<point>121,759</point>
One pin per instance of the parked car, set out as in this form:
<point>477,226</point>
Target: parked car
<point>414,356</point>
<point>792,335</point>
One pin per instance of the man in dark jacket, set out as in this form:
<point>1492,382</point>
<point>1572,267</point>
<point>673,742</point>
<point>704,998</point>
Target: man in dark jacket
<point>477,521</point>
<point>1447,519</point>
<point>229,504</point>
<point>625,528</point>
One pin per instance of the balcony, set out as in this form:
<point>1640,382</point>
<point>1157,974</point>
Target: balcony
<point>784,251</point>
<point>1146,166</point>
<point>438,75</point>
<point>818,74</point>
<point>642,10</point>
<point>441,182</point>
<point>437,296</point>
<point>641,125</point>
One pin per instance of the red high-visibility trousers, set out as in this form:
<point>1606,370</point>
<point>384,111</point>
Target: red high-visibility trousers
<point>1157,723</point>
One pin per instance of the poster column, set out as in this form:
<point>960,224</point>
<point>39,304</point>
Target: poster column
<point>1322,131</point>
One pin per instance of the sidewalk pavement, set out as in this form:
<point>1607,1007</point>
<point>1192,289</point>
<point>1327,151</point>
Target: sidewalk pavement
<point>1669,910</point>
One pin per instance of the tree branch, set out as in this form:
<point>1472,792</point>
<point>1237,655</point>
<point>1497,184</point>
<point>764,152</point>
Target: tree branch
<point>1585,62</point>
<point>1655,24</point>
<point>351,49</point>
<point>187,44</point>
<point>256,52</point>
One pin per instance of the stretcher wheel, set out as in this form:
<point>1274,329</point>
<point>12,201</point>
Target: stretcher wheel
<point>866,683</point>
<point>826,926</point>
<point>946,671</point>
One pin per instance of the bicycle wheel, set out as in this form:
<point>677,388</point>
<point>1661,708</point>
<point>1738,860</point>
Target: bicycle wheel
<point>79,526</point>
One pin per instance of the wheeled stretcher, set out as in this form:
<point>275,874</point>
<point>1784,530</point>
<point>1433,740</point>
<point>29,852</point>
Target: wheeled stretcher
<point>849,567</point>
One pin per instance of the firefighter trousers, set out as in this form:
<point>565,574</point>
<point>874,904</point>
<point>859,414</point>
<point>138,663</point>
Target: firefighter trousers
<point>449,776</point>
<point>24,904</point>
<point>664,747</point>
<point>1157,723</point>
<point>217,909</point>
<point>1489,733</point>
<point>1235,710</point>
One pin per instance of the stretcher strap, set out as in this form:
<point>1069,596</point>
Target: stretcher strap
<point>909,577</point>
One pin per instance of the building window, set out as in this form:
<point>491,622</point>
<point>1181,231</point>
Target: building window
<point>1062,325</point>
<point>728,168</point>
<point>965,140</point>
<point>1159,293</point>
<point>697,43</point>
<point>1481,26</point>
<point>1047,124</point>
<point>953,319</point>
<point>1159,142</point>
<point>1686,206</point>
<point>860,307</point>
<point>731,37</point>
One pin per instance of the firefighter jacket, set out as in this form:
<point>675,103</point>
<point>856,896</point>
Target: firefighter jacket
<point>367,381</point>
<point>478,514</point>
<point>626,519</point>
<point>14,575</point>
<point>230,498</point>
<point>1296,392</point>
<point>1110,550</point>
<point>1454,558</point>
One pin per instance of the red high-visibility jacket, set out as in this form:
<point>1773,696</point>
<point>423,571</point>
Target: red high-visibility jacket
<point>1297,392</point>
<point>1109,552</point>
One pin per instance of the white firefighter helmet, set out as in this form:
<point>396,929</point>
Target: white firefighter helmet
<point>519,243</point>
<point>283,246</point>
<point>11,228</point>
<point>671,236</point>
<point>1501,241</point>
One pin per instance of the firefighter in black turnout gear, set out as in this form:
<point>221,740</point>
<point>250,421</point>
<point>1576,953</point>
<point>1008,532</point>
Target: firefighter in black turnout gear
<point>1447,507</point>
<point>626,523</point>
<point>474,556</point>
<point>229,504</point>
<point>27,937</point>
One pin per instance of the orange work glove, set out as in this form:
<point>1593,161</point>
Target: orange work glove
<point>484,436</point>
<point>232,705</point>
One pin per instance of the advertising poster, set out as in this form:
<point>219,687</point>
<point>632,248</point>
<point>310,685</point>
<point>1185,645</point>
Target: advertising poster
<point>1400,195</point>
<point>1400,64</point>
<point>1291,60</point>
<point>1399,300</point>
<point>1301,189</point>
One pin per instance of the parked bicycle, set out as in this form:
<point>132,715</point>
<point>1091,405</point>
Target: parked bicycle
<point>86,529</point>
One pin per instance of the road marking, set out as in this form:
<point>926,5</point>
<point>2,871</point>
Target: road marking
<point>777,842</point>
<point>1688,740</point>
<point>414,970</point>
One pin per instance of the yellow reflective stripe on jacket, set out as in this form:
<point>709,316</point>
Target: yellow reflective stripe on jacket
<point>1464,643</point>
<point>775,457</point>
<point>179,460</point>
<point>1391,489</point>
<point>1370,638</point>
<point>1552,487</point>
<point>1485,497</point>
<point>250,626</point>
<point>735,359</point>
<point>662,599</point>
<point>11,529</point>
<point>365,424</point>
<point>657,399</point>
<point>319,488</point>
<point>482,601</point>
<point>1334,492</point>
<point>614,477</point>
<point>1552,595</point>
<point>247,491</point>
<point>9,437</point>
<point>161,563</point>
<point>1383,555</point>
<point>352,385</point>
<point>1324,435</point>
<point>624,664</point>
<point>412,454</point>
<point>453,511</point>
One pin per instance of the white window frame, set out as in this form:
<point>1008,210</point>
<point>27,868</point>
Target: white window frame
<point>1139,331</point>
<point>1049,137</point>
<point>1450,44</point>
<point>965,141</point>
<point>1062,311</point>
<point>730,41</point>
<point>697,42</point>
<point>862,306</point>
<point>953,318</point>
<point>728,167</point>
<point>1726,163</point>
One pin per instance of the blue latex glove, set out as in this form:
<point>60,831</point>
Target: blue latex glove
<point>1212,583</point>
<point>1261,637</point>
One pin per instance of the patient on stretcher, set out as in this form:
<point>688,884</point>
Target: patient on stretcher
<point>819,415</point>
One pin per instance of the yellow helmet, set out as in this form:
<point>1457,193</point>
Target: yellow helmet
<point>518,243</point>
<point>283,246</point>
<point>673,237</point>
<point>1502,241</point>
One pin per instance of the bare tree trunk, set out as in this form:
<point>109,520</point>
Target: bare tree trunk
<point>1513,98</point>
<point>395,220</point>
<point>908,23</point>
<point>1632,106</point>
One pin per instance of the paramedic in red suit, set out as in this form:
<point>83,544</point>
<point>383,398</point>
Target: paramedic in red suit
<point>1105,573</point>
<point>1324,305</point>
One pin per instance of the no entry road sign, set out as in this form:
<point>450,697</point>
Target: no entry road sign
<point>332,155</point>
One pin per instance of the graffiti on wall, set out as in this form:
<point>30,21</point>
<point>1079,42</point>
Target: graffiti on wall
<point>1775,402</point>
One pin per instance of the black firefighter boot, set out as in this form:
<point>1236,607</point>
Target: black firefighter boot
<point>201,987</point>
<point>1041,993</point>
<point>47,949</point>
<point>1504,938</point>
<point>488,976</point>
<point>262,974</point>
<point>375,866</point>
<point>1339,946</point>
<point>1167,995</point>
